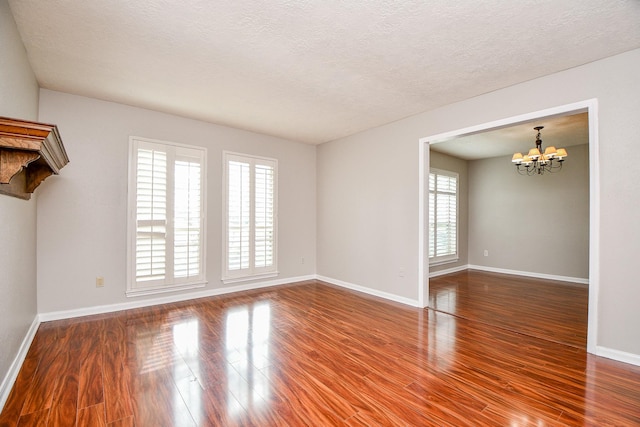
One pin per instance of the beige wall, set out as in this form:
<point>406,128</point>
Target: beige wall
<point>82,215</point>
<point>364,221</point>
<point>18,99</point>
<point>368,188</point>
<point>366,202</point>
<point>536,224</point>
<point>453,164</point>
<point>548,237</point>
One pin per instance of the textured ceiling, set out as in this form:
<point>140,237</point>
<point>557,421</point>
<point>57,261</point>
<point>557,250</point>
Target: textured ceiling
<point>311,71</point>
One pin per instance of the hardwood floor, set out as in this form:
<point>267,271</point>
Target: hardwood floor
<point>548,309</point>
<point>310,354</point>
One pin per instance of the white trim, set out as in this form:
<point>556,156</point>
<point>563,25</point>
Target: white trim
<point>101,309</point>
<point>252,272</point>
<point>444,259</point>
<point>443,262</point>
<point>369,291</point>
<point>620,356</point>
<point>155,290</point>
<point>423,224</point>
<point>590,106</point>
<point>448,271</point>
<point>594,226</point>
<point>509,121</point>
<point>229,280</point>
<point>14,369</point>
<point>170,283</point>
<point>579,280</point>
<point>12,374</point>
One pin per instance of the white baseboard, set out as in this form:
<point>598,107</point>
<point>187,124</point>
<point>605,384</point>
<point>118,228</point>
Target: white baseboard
<point>617,355</point>
<point>101,309</point>
<point>369,291</point>
<point>448,271</point>
<point>620,356</point>
<point>14,369</point>
<point>579,280</point>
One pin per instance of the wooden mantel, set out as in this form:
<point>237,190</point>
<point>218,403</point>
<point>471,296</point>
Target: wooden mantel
<point>29,153</point>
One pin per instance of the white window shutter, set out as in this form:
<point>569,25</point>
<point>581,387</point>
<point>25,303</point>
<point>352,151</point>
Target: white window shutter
<point>443,216</point>
<point>187,219</point>
<point>239,215</point>
<point>264,215</point>
<point>167,213</point>
<point>151,215</point>
<point>251,217</point>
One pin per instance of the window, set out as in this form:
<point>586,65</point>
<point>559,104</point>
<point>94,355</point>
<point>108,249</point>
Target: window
<point>166,248</point>
<point>443,216</point>
<point>250,223</point>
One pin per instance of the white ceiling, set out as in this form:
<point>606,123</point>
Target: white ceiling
<point>559,131</point>
<point>311,70</point>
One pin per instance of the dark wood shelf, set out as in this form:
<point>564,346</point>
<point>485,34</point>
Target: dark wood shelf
<point>30,152</point>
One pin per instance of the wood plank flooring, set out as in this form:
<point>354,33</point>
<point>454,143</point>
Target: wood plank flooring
<point>310,354</point>
<point>548,309</point>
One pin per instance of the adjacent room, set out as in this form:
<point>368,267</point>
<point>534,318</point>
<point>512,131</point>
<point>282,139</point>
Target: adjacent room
<point>319,213</point>
<point>526,226</point>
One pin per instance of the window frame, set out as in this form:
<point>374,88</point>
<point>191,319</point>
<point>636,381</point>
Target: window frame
<point>251,273</point>
<point>447,258</point>
<point>168,284</point>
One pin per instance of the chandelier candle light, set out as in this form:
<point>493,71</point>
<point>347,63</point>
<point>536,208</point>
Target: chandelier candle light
<point>538,161</point>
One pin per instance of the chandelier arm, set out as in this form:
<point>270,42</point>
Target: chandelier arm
<point>554,168</point>
<point>537,161</point>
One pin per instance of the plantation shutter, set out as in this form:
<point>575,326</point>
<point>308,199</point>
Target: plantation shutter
<point>151,215</point>
<point>443,216</point>
<point>250,227</point>
<point>167,205</point>
<point>264,216</point>
<point>187,217</point>
<point>432,215</point>
<point>239,215</point>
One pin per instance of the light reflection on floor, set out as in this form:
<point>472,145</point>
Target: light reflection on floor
<point>442,341</point>
<point>445,298</point>
<point>247,349</point>
<point>186,339</point>
<point>216,367</point>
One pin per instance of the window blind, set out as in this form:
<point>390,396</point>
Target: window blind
<point>250,226</point>
<point>187,221</point>
<point>264,216</point>
<point>443,215</point>
<point>167,215</point>
<point>239,215</point>
<point>151,215</point>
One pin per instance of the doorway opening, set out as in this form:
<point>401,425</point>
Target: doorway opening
<point>590,108</point>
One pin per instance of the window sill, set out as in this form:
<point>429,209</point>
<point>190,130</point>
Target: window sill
<point>162,289</point>
<point>231,280</point>
<point>443,262</point>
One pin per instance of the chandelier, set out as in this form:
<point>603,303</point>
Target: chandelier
<point>538,161</point>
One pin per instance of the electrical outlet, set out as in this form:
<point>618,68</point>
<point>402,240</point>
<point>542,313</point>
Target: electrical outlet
<point>401,272</point>
<point>99,282</point>
<point>486,252</point>
<point>302,260</point>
